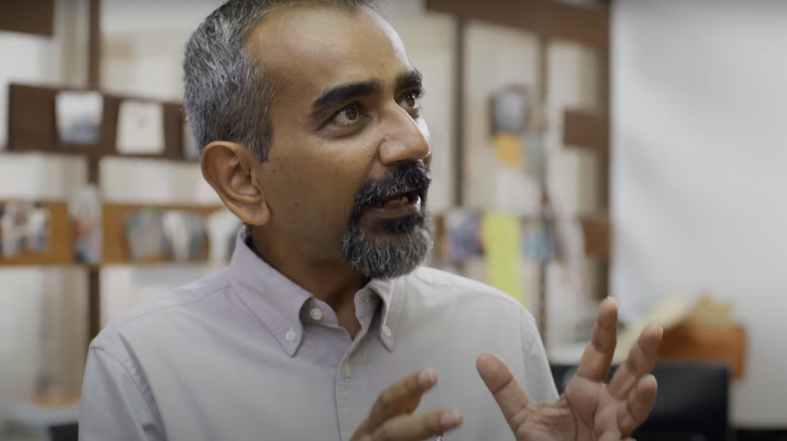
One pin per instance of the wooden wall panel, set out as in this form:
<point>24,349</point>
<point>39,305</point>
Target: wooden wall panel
<point>547,18</point>
<point>586,130</point>
<point>35,17</point>
<point>32,125</point>
<point>597,231</point>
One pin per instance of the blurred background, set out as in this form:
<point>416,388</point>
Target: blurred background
<point>582,149</point>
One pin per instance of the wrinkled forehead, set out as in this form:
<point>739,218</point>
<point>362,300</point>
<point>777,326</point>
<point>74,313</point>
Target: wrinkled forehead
<point>311,48</point>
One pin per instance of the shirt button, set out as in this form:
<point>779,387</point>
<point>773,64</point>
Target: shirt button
<point>387,331</point>
<point>348,371</point>
<point>290,335</point>
<point>316,314</point>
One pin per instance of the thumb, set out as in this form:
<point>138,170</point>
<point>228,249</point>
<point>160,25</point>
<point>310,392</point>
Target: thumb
<point>509,395</point>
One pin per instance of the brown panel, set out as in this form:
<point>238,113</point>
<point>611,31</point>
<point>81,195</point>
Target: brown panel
<point>116,249</point>
<point>174,119</point>
<point>94,45</point>
<point>35,17</point>
<point>60,251</point>
<point>459,154</point>
<point>706,344</point>
<point>32,125</point>
<point>544,17</point>
<point>586,130</point>
<point>31,118</point>
<point>597,231</point>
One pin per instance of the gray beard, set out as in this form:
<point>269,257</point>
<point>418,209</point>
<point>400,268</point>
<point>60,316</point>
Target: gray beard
<point>407,245</point>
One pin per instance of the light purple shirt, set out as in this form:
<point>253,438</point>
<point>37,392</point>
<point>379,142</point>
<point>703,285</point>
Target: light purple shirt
<point>246,354</point>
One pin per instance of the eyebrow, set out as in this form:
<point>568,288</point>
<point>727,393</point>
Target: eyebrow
<point>409,80</point>
<point>336,96</point>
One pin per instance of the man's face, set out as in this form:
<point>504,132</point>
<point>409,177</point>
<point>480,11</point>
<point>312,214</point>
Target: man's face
<point>347,171</point>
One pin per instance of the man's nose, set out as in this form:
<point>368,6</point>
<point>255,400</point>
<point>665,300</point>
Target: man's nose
<point>404,140</point>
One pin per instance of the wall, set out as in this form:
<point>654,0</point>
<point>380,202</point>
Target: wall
<point>24,292</point>
<point>700,149</point>
<point>143,46</point>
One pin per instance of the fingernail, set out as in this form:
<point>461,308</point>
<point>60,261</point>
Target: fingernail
<point>427,377</point>
<point>450,418</point>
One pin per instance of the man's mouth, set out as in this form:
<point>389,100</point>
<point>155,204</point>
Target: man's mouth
<point>398,200</point>
<point>397,206</point>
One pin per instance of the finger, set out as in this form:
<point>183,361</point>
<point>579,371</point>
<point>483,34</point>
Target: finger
<point>638,405</point>
<point>597,357</point>
<point>511,398</point>
<point>639,362</point>
<point>401,397</point>
<point>418,427</point>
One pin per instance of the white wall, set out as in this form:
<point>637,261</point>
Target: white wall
<point>25,59</point>
<point>700,171</point>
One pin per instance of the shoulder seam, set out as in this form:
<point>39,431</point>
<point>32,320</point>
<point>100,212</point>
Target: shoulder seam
<point>146,394</point>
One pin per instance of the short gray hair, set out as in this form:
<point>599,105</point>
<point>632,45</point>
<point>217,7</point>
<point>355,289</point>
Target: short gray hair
<point>226,95</point>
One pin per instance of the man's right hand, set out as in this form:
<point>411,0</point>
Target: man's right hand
<point>392,419</point>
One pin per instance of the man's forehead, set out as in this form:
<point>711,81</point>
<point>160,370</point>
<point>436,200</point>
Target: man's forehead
<point>317,47</point>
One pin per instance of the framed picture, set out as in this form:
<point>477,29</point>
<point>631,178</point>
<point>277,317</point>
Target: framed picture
<point>511,108</point>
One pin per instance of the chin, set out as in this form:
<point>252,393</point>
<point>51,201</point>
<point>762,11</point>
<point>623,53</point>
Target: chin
<point>392,252</point>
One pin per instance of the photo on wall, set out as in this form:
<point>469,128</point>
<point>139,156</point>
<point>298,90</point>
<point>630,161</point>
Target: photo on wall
<point>85,211</point>
<point>140,128</point>
<point>24,228</point>
<point>79,116</point>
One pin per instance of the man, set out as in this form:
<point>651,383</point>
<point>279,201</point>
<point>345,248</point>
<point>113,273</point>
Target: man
<point>323,327</point>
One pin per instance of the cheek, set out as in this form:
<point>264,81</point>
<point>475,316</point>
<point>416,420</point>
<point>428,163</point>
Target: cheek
<point>312,192</point>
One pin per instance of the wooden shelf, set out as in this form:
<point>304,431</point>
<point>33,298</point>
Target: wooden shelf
<point>60,251</point>
<point>36,17</point>
<point>586,130</point>
<point>61,241</point>
<point>116,248</point>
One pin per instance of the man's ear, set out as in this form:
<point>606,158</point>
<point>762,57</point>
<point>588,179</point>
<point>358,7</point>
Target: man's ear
<point>230,169</point>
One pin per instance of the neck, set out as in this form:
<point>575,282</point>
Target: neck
<point>330,280</point>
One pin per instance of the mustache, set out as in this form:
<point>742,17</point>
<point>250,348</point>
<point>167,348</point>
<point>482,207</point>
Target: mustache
<point>408,177</point>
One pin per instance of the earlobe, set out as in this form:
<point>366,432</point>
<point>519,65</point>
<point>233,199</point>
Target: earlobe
<point>230,169</point>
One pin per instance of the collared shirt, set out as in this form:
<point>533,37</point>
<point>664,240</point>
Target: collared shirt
<point>246,354</point>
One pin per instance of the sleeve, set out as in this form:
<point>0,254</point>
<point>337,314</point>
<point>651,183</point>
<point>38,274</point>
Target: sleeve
<point>113,406</point>
<point>539,383</point>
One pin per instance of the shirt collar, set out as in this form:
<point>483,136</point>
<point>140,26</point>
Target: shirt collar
<point>278,302</point>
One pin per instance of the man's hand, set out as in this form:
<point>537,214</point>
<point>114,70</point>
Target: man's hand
<point>392,419</point>
<point>589,409</point>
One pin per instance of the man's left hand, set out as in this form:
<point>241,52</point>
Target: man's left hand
<point>590,409</point>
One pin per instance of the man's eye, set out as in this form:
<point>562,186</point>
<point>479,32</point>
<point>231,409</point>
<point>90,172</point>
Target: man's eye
<point>411,100</point>
<point>347,116</point>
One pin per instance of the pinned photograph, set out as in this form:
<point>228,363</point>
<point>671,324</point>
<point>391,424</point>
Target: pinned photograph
<point>140,128</point>
<point>198,245</point>
<point>510,111</point>
<point>12,229</point>
<point>184,235</point>
<point>177,235</point>
<point>463,228</point>
<point>145,235</point>
<point>24,228</point>
<point>37,228</point>
<point>85,212</point>
<point>79,116</point>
